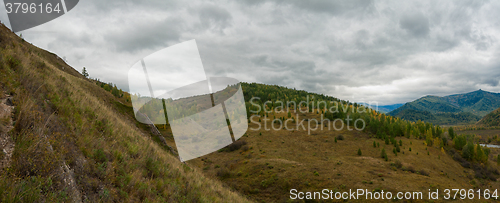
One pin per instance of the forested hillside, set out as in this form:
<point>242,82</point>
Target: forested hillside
<point>491,120</point>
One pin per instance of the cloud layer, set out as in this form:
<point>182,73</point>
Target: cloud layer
<point>390,52</point>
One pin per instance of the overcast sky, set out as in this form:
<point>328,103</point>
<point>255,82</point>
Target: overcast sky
<point>390,52</point>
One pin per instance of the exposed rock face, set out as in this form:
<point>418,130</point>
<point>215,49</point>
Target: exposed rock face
<point>6,142</point>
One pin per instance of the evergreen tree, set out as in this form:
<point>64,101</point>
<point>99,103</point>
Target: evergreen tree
<point>468,151</point>
<point>451,133</point>
<point>374,144</point>
<point>359,152</point>
<point>459,142</point>
<point>85,73</point>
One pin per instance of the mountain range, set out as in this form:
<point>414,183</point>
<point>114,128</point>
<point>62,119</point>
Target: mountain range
<point>450,110</point>
<point>383,108</point>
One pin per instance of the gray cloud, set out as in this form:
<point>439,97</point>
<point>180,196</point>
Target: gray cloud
<point>156,34</point>
<point>416,24</point>
<point>385,51</point>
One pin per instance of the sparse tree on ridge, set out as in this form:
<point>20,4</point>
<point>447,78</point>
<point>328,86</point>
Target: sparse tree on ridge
<point>85,73</point>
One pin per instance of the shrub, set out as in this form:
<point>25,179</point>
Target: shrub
<point>374,144</point>
<point>236,145</point>
<point>383,154</point>
<point>398,164</point>
<point>409,168</point>
<point>459,142</point>
<point>223,173</point>
<point>153,168</point>
<point>482,172</point>
<point>359,152</point>
<point>423,172</point>
<point>468,151</point>
<point>99,156</point>
<point>340,137</point>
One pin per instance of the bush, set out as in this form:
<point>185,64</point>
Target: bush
<point>223,173</point>
<point>468,151</point>
<point>236,145</point>
<point>99,156</point>
<point>153,168</point>
<point>398,164</point>
<point>340,137</point>
<point>485,173</point>
<point>459,142</point>
<point>423,172</point>
<point>359,152</point>
<point>409,168</point>
<point>383,154</point>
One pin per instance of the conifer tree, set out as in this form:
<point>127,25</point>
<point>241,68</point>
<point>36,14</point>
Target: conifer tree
<point>451,133</point>
<point>85,73</point>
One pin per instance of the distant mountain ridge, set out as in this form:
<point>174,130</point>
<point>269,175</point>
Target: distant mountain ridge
<point>384,108</point>
<point>453,109</point>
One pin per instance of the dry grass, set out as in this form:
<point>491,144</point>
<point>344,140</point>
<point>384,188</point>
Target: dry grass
<point>278,161</point>
<point>112,159</point>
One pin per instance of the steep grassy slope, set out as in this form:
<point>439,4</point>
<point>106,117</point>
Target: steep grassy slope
<point>74,141</point>
<point>450,110</point>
